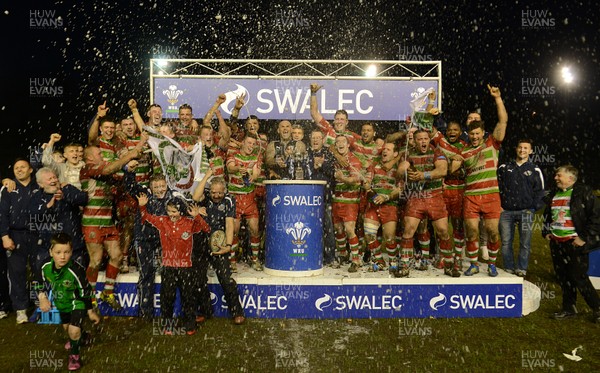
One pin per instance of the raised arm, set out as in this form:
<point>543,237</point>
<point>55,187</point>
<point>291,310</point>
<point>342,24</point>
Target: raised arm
<point>314,107</point>
<point>224,131</point>
<point>239,103</point>
<point>137,118</point>
<point>211,112</point>
<point>500,130</point>
<point>198,195</point>
<point>156,221</point>
<point>47,158</point>
<point>235,113</point>
<point>94,128</point>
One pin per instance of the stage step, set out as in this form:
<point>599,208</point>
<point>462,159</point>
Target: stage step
<point>340,294</point>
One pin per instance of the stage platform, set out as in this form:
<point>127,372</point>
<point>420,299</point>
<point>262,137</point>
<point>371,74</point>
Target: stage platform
<point>340,294</point>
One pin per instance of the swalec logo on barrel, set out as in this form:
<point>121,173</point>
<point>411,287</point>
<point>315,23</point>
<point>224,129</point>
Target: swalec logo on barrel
<point>294,237</point>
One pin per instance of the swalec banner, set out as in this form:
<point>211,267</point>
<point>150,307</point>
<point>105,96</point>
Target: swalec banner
<point>290,98</point>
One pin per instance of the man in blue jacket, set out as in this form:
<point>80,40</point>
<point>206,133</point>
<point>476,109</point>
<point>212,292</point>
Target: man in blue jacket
<point>55,209</point>
<point>18,240</point>
<point>320,166</point>
<point>147,237</point>
<point>521,193</point>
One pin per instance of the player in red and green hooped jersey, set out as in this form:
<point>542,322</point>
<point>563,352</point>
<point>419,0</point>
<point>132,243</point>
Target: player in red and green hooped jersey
<point>251,125</point>
<point>155,118</point>
<point>382,208</point>
<point>425,168</point>
<point>244,168</point>
<point>187,128</point>
<point>340,128</point>
<point>213,142</point>
<point>102,134</point>
<point>346,196</point>
<point>405,141</point>
<point>367,146</point>
<point>98,226</point>
<point>368,150</point>
<point>482,196</point>
<point>340,121</point>
<point>127,205</point>
<point>454,183</point>
<point>130,140</point>
<point>110,146</point>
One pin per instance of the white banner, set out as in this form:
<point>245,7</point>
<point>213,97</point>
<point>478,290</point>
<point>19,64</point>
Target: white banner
<point>182,169</point>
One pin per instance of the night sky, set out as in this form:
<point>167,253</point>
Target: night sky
<point>94,50</point>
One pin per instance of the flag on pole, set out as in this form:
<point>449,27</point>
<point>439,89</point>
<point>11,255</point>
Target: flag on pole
<point>420,117</point>
<point>183,169</point>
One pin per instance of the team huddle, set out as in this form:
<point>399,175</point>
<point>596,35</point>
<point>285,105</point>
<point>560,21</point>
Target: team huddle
<point>110,202</point>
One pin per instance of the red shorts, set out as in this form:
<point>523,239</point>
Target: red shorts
<point>246,206</point>
<point>453,198</point>
<point>100,234</point>
<point>432,208</point>
<point>485,205</point>
<point>382,213</point>
<point>344,212</point>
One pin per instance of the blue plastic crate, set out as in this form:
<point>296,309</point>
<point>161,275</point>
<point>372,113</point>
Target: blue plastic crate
<point>50,317</point>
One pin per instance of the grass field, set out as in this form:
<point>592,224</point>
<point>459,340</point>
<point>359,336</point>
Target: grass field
<point>531,343</point>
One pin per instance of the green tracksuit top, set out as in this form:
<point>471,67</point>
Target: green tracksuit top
<point>70,287</point>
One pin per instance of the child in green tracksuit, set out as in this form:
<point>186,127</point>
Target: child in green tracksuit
<point>71,291</point>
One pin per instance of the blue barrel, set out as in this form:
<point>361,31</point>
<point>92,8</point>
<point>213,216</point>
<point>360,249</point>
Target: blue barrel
<point>294,222</point>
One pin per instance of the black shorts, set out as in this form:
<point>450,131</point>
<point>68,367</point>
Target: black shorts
<point>74,318</point>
